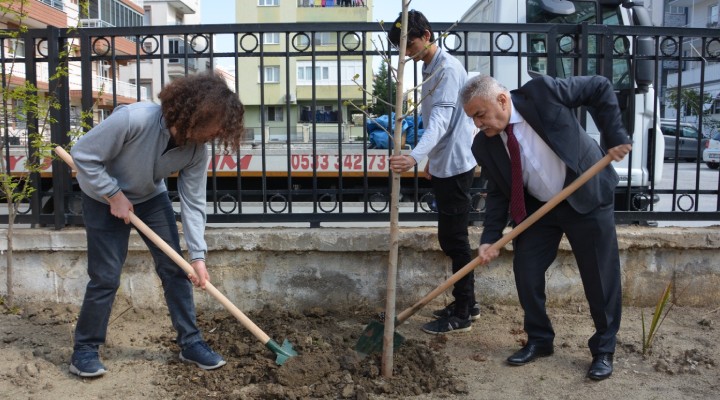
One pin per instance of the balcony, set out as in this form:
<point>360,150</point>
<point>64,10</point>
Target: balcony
<point>185,6</point>
<point>94,23</point>
<point>331,3</point>
<point>102,87</point>
<point>176,66</point>
<point>54,3</point>
<point>41,13</point>
<point>681,3</point>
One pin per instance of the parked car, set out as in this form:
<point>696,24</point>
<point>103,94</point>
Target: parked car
<point>711,154</point>
<point>687,140</point>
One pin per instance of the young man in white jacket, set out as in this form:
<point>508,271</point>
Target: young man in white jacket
<point>446,143</point>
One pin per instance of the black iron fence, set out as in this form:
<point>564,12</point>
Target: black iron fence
<point>310,154</point>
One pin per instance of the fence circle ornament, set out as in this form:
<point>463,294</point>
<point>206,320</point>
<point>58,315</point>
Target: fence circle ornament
<point>504,42</point>
<point>278,199</point>
<point>330,199</point>
<point>175,199</point>
<point>296,39</point>
<point>101,46</point>
<point>248,42</point>
<point>227,198</point>
<point>566,44</point>
<point>621,45</point>
<point>75,205</point>
<point>638,200</point>
<point>199,43</point>
<point>349,39</point>
<point>149,44</point>
<point>458,41</point>
<point>668,46</point>
<point>713,43</point>
<point>425,201</point>
<point>22,208</point>
<point>378,202</point>
<point>41,48</point>
<point>478,202</point>
<point>690,201</point>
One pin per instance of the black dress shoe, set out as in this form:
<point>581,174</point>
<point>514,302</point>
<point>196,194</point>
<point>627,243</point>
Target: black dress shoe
<point>529,353</point>
<point>601,367</point>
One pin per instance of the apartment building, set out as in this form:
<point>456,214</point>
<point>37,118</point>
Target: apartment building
<point>39,14</point>
<point>151,76</point>
<point>269,90</point>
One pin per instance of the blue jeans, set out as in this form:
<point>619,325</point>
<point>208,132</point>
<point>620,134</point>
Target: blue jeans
<point>107,243</point>
<point>452,195</point>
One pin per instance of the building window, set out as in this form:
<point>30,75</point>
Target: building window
<point>271,38</point>
<point>273,114</point>
<point>16,47</point>
<point>111,13</point>
<point>326,72</point>
<point>305,74</point>
<point>272,74</point>
<point>266,3</point>
<point>147,16</point>
<point>713,15</point>
<point>54,3</point>
<point>104,69</point>
<point>320,39</point>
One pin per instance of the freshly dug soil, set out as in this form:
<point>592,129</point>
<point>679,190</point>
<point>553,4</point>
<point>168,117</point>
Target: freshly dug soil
<point>35,347</point>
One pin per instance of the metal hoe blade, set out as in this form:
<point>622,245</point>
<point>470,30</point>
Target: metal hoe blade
<point>371,339</point>
<point>283,352</point>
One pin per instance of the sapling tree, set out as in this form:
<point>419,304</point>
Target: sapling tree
<point>25,105</point>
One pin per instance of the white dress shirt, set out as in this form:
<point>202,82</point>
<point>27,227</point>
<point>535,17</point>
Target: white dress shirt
<point>543,170</point>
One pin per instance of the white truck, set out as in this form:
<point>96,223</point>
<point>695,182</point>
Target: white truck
<point>552,52</point>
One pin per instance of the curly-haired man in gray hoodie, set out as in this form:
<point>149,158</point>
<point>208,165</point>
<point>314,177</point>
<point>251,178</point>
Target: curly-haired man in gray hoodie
<point>121,165</point>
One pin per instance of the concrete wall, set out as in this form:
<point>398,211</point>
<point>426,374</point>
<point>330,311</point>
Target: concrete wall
<point>338,268</point>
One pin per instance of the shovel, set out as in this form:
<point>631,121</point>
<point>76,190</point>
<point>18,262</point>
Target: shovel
<point>283,352</point>
<point>371,339</point>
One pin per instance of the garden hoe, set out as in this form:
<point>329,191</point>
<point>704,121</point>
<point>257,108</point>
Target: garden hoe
<point>371,339</point>
<point>283,352</point>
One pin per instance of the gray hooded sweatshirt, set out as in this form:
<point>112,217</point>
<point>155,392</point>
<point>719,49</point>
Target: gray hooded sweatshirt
<point>127,152</point>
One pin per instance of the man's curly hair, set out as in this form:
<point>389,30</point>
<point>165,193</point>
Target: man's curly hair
<point>195,101</point>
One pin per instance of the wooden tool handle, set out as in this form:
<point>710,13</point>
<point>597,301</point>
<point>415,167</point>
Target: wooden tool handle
<point>182,263</point>
<point>520,228</point>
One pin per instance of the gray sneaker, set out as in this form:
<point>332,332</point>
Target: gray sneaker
<point>200,354</point>
<point>449,311</point>
<point>86,364</point>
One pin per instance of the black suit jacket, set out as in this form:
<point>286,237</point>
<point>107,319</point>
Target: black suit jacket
<point>549,106</point>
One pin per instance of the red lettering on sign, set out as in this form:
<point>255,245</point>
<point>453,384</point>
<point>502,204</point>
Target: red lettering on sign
<point>228,163</point>
<point>47,164</point>
<point>14,160</point>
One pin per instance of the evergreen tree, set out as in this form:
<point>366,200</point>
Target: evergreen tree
<point>383,92</point>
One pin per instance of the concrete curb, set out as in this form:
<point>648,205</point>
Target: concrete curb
<point>342,267</point>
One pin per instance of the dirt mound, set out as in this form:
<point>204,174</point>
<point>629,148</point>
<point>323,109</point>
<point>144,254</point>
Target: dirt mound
<point>327,366</point>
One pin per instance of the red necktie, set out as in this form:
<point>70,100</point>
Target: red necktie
<point>517,194</point>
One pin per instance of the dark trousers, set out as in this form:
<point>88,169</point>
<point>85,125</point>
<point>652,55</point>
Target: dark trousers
<point>453,202</point>
<point>593,240</point>
<point>107,242</point>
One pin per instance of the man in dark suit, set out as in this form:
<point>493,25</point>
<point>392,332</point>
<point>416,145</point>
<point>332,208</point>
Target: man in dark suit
<point>538,123</point>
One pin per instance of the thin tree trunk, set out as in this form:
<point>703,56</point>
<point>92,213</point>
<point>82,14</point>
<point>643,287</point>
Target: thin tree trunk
<point>389,333</point>
<point>9,254</point>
